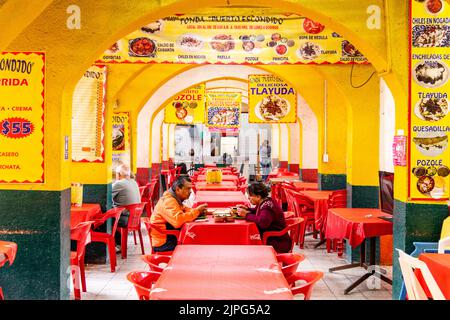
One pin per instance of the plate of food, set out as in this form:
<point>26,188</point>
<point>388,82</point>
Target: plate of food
<point>190,42</point>
<point>431,109</point>
<point>272,108</point>
<point>309,51</point>
<point>223,116</point>
<point>118,140</point>
<point>439,188</point>
<point>434,6</point>
<point>181,113</point>
<point>153,27</point>
<point>425,184</point>
<point>222,42</point>
<point>116,47</point>
<point>142,47</point>
<point>430,73</point>
<point>312,27</point>
<point>431,144</point>
<point>349,50</point>
<point>425,36</point>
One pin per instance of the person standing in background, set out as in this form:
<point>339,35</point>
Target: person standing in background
<point>265,159</point>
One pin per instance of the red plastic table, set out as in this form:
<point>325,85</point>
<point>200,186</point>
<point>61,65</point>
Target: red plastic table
<point>86,212</point>
<point>215,272</point>
<point>308,185</point>
<point>220,199</point>
<point>439,265</point>
<point>224,233</point>
<point>357,225</point>
<point>221,186</point>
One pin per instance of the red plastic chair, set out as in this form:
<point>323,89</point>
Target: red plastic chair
<point>143,282</point>
<point>154,261</point>
<point>284,187</point>
<point>292,226</point>
<point>134,224</point>
<point>8,250</point>
<point>81,233</point>
<point>107,238</point>
<point>304,208</point>
<point>151,226</point>
<point>311,277</point>
<point>289,262</point>
<point>141,190</point>
<point>338,199</point>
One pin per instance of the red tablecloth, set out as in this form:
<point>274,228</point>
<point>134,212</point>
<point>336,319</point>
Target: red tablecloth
<point>308,185</point>
<point>210,232</point>
<point>220,199</point>
<point>221,186</point>
<point>320,199</point>
<point>439,265</point>
<point>356,224</point>
<point>225,177</point>
<point>202,272</point>
<point>7,252</point>
<point>84,213</point>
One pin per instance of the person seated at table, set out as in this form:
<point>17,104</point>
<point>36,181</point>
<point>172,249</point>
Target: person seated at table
<point>267,215</point>
<point>170,214</point>
<point>125,191</point>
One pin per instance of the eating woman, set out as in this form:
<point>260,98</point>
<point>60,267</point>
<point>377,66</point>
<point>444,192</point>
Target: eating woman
<point>267,215</point>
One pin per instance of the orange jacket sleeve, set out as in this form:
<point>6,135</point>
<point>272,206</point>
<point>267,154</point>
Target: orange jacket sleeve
<point>177,215</point>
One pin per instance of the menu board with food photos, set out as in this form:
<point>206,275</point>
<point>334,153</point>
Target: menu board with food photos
<point>188,107</point>
<point>22,89</point>
<point>88,107</point>
<point>429,122</point>
<point>271,100</point>
<point>223,109</point>
<point>241,37</point>
<point>120,140</point>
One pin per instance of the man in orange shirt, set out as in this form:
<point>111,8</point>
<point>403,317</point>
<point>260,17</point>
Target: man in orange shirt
<point>171,214</point>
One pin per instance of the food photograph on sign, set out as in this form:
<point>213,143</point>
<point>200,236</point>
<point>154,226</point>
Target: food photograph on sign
<point>431,180</point>
<point>118,140</point>
<point>187,107</point>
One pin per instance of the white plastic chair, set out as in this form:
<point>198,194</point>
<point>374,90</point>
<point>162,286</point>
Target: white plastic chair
<point>445,242</point>
<point>412,284</point>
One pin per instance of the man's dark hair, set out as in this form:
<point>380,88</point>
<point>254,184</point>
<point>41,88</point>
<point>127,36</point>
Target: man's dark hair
<point>258,189</point>
<point>179,182</point>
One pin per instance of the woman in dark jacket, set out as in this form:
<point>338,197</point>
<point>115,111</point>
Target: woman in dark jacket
<point>267,215</point>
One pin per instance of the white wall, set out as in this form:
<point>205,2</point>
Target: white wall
<point>387,127</point>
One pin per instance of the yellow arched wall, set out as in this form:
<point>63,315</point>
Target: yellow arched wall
<point>81,47</point>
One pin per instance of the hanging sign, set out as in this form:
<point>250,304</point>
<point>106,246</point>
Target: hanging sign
<point>88,108</point>
<point>22,77</point>
<point>223,109</point>
<point>271,100</point>
<point>120,140</point>
<point>399,150</point>
<point>188,107</point>
<point>241,37</point>
<point>429,122</point>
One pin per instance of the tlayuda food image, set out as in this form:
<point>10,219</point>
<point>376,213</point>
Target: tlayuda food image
<point>272,108</point>
<point>431,109</point>
<point>309,51</point>
<point>431,145</point>
<point>430,73</point>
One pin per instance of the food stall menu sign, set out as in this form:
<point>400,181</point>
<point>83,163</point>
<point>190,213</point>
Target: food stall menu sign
<point>241,37</point>
<point>120,140</point>
<point>88,108</point>
<point>429,122</point>
<point>22,77</point>
<point>188,107</point>
<point>271,100</point>
<point>223,109</point>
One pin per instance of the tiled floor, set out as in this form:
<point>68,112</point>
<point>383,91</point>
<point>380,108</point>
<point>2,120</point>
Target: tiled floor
<point>104,285</point>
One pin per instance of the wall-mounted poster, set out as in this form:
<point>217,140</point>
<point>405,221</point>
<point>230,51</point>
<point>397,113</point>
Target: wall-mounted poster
<point>188,107</point>
<point>120,140</point>
<point>223,109</point>
<point>243,36</point>
<point>88,119</point>
<point>429,122</point>
<point>271,100</point>
<point>22,76</point>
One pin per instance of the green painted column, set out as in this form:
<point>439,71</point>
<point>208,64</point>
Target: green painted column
<point>414,223</point>
<point>39,222</point>
<point>332,181</point>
